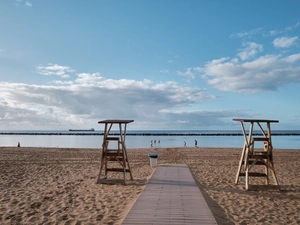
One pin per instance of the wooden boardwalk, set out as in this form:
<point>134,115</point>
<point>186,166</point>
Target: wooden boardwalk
<point>170,197</point>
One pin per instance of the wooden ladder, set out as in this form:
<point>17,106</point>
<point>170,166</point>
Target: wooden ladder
<point>114,155</point>
<point>253,158</point>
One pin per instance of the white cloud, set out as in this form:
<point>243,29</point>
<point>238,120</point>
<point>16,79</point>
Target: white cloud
<point>261,31</point>
<point>188,73</point>
<point>54,69</point>
<point>87,78</point>
<point>29,4</point>
<point>293,58</point>
<point>285,30</point>
<point>91,98</point>
<point>247,33</point>
<point>284,42</point>
<point>164,71</point>
<point>263,74</point>
<point>273,32</point>
<point>289,28</point>
<point>250,49</point>
<point>17,2</point>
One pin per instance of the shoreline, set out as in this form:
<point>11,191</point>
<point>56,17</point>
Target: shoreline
<point>92,133</point>
<point>58,185</point>
<point>145,148</point>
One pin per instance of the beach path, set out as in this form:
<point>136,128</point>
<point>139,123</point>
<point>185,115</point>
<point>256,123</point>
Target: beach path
<point>170,197</point>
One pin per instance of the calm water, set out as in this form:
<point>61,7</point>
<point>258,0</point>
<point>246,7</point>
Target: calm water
<point>141,139</point>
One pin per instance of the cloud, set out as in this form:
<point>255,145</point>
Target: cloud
<point>91,98</point>
<point>250,49</point>
<point>194,119</point>
<point>262,74</point>
<point>54,69</point>
<point>164,71</point>
<point>261,31</point>
<point>285,30</point>
<point>284,42</point>
<point>247,33</point>
<point>29,4</point>
<point>188,73</point>
<point>17,2</point>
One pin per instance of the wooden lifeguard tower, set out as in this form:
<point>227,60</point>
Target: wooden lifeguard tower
<point>118,154</point>
<point>251,158</point>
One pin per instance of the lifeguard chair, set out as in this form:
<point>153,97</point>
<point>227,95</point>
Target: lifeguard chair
<point>117,154</point>
<point>251,158</point>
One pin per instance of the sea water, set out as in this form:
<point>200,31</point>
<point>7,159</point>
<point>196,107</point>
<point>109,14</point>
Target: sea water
<point>143,139</point>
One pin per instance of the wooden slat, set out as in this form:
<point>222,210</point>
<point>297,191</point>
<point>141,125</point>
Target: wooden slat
<point>116,121</point>
<point>118,170</point>
<point>256,120</point>
<point>112,138</point>
<point>257,163</point>
<point>114,154</point>
<point>170,197</point>
<point>254,174</point>
<point>260,139</point>
<point>261,156</point>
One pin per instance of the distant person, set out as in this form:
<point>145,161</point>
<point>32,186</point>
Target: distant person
<point>184,144</point>
<point>151,143</point>
<point>196,144</point>
<point>158,141</point>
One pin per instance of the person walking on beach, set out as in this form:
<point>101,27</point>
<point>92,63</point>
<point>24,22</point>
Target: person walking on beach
<point>184,144</point>
<point>196,144</point>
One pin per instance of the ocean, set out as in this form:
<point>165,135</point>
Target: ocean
<point>282,139</point>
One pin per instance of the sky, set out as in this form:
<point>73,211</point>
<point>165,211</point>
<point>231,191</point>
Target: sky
<point>166,64</point>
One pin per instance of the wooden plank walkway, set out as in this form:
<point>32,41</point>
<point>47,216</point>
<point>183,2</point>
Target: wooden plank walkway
<point>170,197</point>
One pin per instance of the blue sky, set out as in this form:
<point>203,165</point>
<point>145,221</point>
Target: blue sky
<point>166,64</point>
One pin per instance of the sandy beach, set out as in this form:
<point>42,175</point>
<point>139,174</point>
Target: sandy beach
<point>58,186</point>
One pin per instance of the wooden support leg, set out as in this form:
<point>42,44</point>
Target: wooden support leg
<point>267,168</point>
<point>267,171</point>
<point>240,165</point>
<point>246,162</point>
<point>101,167</point>
<point>274,174</point>
<point>270,153</point>
<point>127,161</point>
<point>271,165</point>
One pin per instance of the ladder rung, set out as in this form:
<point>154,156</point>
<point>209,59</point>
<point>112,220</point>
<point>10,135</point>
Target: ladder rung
<point>260,139</point>
<point>253,174</point>
<point>114,154</point>
<point>257,163</point>
<point>117,169</point>
<point>112,139</point>
<point>259,157</point>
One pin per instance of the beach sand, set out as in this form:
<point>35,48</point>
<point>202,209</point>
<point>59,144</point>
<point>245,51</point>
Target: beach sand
<point>58,186</point>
